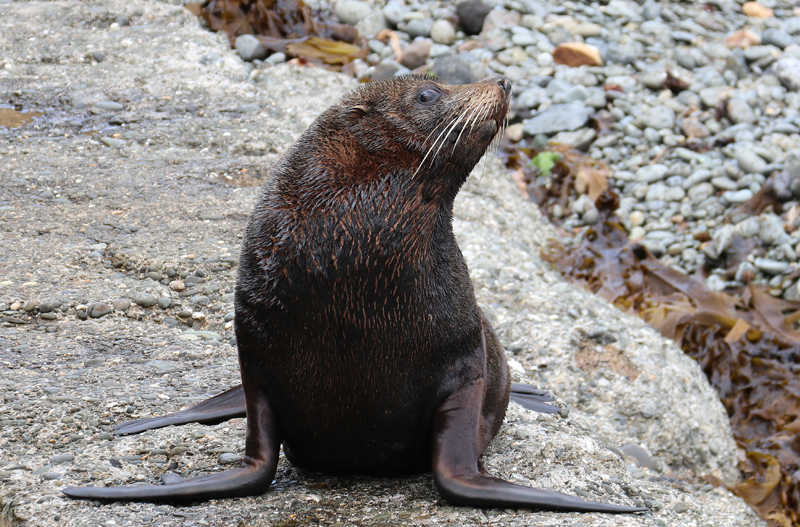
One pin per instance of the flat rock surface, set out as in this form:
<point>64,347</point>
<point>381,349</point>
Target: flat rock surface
<point>104,210</point>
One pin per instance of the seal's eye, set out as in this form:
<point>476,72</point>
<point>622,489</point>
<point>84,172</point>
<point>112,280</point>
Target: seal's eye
<point>428,96</point>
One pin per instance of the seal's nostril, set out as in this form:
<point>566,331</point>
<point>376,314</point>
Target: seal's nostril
<point>506,85</point>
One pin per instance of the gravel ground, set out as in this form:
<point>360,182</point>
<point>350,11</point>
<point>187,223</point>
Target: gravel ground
<point>121,228</point>
<point>724,74</point>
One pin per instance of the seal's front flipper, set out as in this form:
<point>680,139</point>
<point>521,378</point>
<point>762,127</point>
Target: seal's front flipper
<point>222,407</point>
<point>252,478</point>
<point>456,426</point>
<point>533,398</point>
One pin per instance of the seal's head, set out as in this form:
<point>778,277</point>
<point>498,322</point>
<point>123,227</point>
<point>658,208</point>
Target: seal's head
<point>412,128</point>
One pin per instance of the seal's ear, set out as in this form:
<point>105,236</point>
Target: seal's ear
<point>357,111</point>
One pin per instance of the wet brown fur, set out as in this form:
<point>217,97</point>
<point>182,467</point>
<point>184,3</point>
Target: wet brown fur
<point>351,251</point>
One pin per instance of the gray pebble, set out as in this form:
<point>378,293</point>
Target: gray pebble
<point>788,71</point>
<point>771,229</point>
<point>61,458</point>
<point>229,458</point>
<point>100,309</point>
<point>394,11</point>
<point>109,106</point>
<point>777,37</point>
<point>249,48</point>
<point>144,299</point>
<point>749,160</point>
<point>736,197</point>
<point>121,304</point>
<point>419,27</point>
<point>771,266</point>
<point>651,173</point>
<point>739,111</point>
<point>161,366</point>
<point>352,11</point>
<point>164,302</point>
<point>558,118</point>
<point>47,307</point>
<point>112,142</point>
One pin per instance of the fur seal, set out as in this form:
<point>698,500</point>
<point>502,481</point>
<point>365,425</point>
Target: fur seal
<point>361,346</point>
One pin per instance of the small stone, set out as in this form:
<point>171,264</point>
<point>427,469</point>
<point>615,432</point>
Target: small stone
<point>659,117</point>
<point>681,506</point>
<point>110,106</point>
<point>416,54</point>
<point>250,48</point>
<point>770,266</point>
<point>756,10</point>
<point>777,37</point>
<point>739,111</point>
<point>164,302</point>
<point>636,218</point>
<point>471,15</point>
<point>52,476</point>
<point>737,197</point>
<point>744,38</point>
<point>229,458</point>
<point>443,32</point>
<point>574,54</point>
<point>693,128</point>
<point>770,229</point>
<point>579,139</point>
<point>500,19</point>
<point>177,285</point>
<point>587,29</point>
<point>61,458</point>
<point>100,309</point>
<point>144,299</point>
<point>352,11</point>
<point>394,11</point>
<point>112,142</point>
<point>788,71</point>
<point>121,304</point>
<point>98,56</point>
<point>651,173</point>
<point>419,27</point>
<point>558,118</point>
<point>161,366</point>
<point>750,161</point>
<point>47,307</point>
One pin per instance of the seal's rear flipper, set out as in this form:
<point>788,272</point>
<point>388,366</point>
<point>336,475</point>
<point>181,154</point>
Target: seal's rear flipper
<point>533,398</point>
<point>456,426</point>
<point>227,405</point>
<point>252,478</point>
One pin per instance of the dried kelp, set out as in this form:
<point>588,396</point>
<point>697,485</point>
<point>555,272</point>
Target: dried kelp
<point>745,341</point>
<point>288,26</point>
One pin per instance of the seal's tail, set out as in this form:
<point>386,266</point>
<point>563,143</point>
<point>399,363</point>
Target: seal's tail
<point>227,405</point>
<point>532,398</point>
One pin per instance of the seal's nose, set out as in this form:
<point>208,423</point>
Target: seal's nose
<point>505,84</point>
